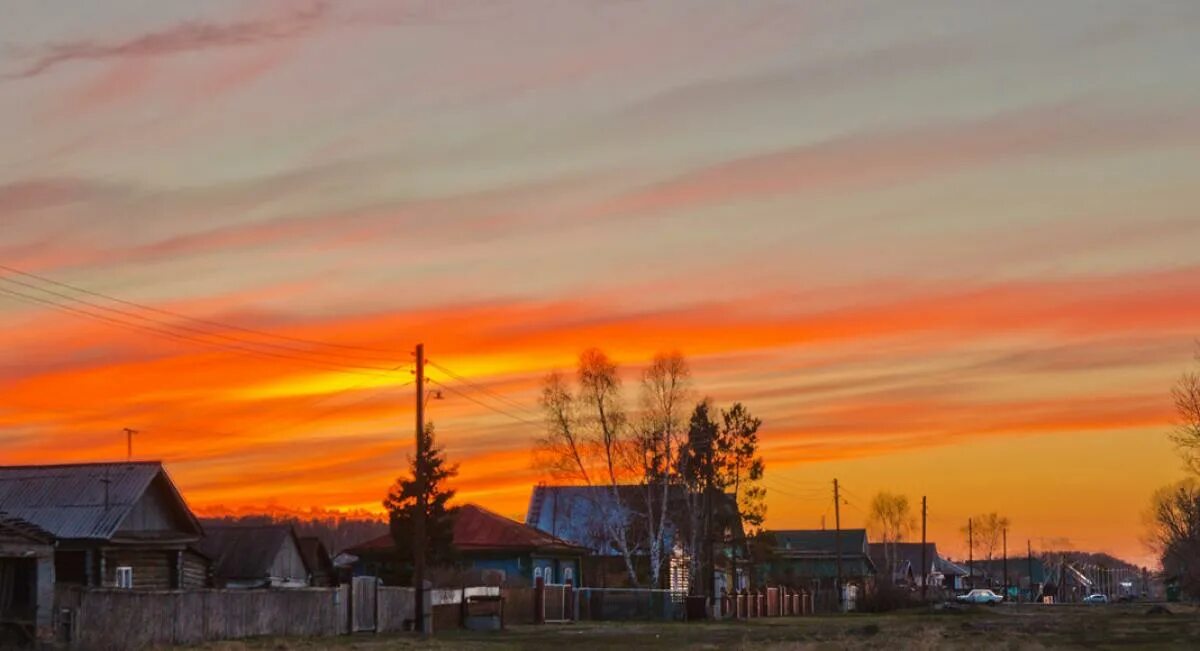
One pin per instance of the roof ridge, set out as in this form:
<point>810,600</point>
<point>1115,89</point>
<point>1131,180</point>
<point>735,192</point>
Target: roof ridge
<point>80,464</point>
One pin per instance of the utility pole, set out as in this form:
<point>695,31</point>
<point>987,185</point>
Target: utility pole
<point>1005,562</point>
<point>837,538</point>
<point>1029,558</point>
<point>419,520</point>
<point>924,560</point>
<point>129,443</point>
<point>970,551</point>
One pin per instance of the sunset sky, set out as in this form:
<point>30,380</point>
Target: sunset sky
<point>940,248</point>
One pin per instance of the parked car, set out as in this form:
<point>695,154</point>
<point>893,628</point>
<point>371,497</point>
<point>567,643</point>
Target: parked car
<point>980,596</point>
<point>1095,599</point>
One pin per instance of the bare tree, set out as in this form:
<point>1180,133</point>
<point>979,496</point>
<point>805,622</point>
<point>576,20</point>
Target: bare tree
<point>659,435</point>
<point>890,519</point>
<point>1186,436</point>
<point>1174,532</point>
<point>988,532</point>
<point>586,442</point>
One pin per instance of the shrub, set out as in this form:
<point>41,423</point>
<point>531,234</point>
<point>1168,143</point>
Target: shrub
<point>884,598</point>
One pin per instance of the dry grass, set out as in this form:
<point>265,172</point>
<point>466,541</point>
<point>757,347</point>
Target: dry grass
<point>1004,627</point>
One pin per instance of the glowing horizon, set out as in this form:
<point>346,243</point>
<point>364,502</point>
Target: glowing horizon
<point>946,251</point>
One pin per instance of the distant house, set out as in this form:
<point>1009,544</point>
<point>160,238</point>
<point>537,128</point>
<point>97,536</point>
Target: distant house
<point>255,556</point>
<point>488,542</point>
<point>991,574</point>
<point>809,559</point>
<point>904,561</point>
<point>116,525</point>
<point>579,513</point>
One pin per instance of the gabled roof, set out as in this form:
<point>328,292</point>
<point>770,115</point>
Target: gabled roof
<point>478,529</point>
<point>14,527</point>
<point>316,557</point>
<point>949,568</point>
<point>83,500</point>
<point>903,554</point>
<point>577,513</point>
<point>245,551</point>
<point>819,543</point>
<point>1018,566</point>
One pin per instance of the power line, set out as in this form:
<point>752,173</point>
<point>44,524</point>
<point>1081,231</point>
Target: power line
<point>485,405</point>
<point>203,333</point>
<point>315,363</point>
<point>179,315</point>
<point>497,396</point>
<point>288,425</point>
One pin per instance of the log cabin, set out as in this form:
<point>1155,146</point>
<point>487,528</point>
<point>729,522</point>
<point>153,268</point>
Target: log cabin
<point>111,525</point>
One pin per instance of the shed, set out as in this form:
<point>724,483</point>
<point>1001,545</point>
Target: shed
<point>255,556</point>
<point>316,558</point>
<point>26,582</point>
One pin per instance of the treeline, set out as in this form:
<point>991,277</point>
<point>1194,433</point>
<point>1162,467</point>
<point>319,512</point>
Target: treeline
<point>337,532</point>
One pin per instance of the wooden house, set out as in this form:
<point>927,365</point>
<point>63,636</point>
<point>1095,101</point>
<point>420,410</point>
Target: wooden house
<point>577,514</point>
<point>903,561</point>
<point>255,556</point>
<point>499,548</point>
<point>812,559</point>
<point>117,525</point>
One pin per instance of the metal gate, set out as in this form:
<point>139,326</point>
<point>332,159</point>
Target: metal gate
<point>364,602</point>
<point>558,605</point>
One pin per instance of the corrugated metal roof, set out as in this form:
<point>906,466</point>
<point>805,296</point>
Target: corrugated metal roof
<point>577,513</point>
<point>476,528</point>
<point>81,501</point>
<point>820,542</point>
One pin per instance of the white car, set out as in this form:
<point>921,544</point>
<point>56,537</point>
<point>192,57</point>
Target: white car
<point>1095,599</point>
<point>980,596</point>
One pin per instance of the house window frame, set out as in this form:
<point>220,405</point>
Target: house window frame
<point>123,577</point>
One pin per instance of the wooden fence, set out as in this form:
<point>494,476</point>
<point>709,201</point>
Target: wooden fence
<point>125,619</point>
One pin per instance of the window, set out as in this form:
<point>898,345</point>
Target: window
<point>125,577</point>
<point>537,573</point>
<point>568,575</point>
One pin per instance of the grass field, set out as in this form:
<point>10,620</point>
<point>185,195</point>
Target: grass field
<point>1002,627</point>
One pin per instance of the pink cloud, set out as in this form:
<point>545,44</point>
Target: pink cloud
<point>184,37</point>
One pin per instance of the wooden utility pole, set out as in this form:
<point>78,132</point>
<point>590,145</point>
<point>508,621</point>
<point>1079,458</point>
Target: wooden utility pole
<point>837,538</point>
<point>924,560</point>
<point>419,519</point>
<point>1029,559</point>
<point>970,552</point>
<point>1005,562</point>
<point>129,443</point>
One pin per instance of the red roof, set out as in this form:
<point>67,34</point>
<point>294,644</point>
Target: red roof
<point>479,528</point>
<point>476,528</point>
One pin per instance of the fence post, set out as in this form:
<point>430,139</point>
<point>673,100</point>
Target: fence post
<point>539,600</point>
<point>569,607</point>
